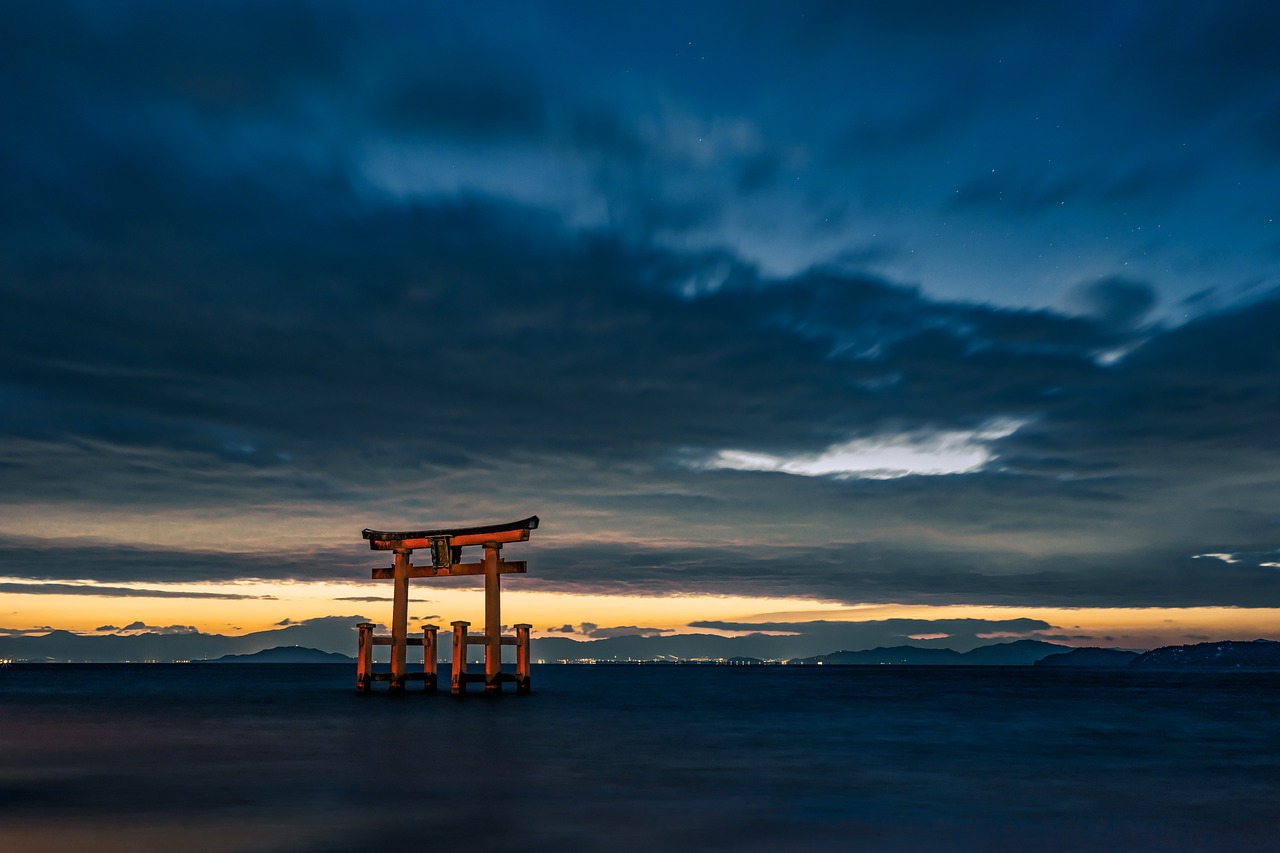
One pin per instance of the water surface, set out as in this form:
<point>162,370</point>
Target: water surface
<point>259,757</point>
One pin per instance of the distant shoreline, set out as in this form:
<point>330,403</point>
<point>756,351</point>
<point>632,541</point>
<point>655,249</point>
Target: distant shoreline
<point>1228,655</point>
<point>22,664</point>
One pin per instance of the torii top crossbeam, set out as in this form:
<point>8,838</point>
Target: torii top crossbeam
<point>513,531</point>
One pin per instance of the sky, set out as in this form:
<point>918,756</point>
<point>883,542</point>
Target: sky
<point>774,313</point>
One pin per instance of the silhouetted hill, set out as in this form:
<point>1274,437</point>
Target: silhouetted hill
<point>714,647</point>
<point>668,647</point>
<point>329,633</point>
<point>1017,653</point>
<point>1090,657</point>
<point>1261,654</point>
<point>893,655</point>
<point>286,654</point>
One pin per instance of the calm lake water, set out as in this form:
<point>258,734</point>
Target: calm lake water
<point>257,757</point>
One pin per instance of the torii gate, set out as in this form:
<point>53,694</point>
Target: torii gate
<point>446,553</point>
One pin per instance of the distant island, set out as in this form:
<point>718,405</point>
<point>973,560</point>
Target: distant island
<point>1229,654</point>
<point>1226,654</point>
<point>1016,653</point>
<point>1090,656</point>
<point>284,654</point>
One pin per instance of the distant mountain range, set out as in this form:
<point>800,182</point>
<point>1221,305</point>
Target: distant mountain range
<point>317,640</point>
<point>1016,653</point>
<point>1225,654</point>
<point>1090,657</point>
<point>330,633</point>
<point>285,654</point>
<point>1261,654</point>
<point>337,634</point>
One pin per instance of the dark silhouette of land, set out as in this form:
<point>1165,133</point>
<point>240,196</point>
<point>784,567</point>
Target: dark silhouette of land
<point>285,654</point>
<point>64,647</point>
<point>1090,657</point>
<point>1017,653</point>
<point>1259,654</point>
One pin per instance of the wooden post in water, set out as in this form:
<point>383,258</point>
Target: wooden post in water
<point>460,657</point>
<point>429,656</point>
<point>523,684</point>
<point>492,619</point>
<point>400,620</point>
<point>364,658</point>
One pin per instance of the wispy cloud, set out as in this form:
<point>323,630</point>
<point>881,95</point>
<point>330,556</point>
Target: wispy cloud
<point>35,588</point>
<point>881,457</point>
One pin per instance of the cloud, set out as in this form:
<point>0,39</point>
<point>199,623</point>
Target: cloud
<point>999,563</point>
<point>958,634</point>
<point>625,631</point>
<point>30,588</point>
<point>476,107</point>
<point>1113,302</point>
<point>881,458</point>
<point>759,172</point>
<point>23,632</point>
<point>1046,192</point>
<point>156,629</point>
<point>108,562</point>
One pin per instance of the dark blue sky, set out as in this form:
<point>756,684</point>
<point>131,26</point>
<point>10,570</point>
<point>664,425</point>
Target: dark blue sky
<point>911,302</point>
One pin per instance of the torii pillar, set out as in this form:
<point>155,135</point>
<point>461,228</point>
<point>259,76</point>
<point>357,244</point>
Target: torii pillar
<point>492,620</point>
<point>400,619</point>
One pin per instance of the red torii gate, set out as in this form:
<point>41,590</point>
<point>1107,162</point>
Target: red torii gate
<point>446,547</point>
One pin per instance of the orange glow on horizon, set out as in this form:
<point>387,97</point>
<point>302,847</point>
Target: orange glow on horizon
<point>267,605</point>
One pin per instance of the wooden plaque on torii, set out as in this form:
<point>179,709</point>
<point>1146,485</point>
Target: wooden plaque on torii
<point>445,546</point>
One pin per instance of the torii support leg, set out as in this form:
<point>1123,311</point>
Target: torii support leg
<point>364,658</point>
<point>492,620</point>
<point>400,620</point>
<point>429,658</point>
<point>460,657</point>
<point>522,658</point>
